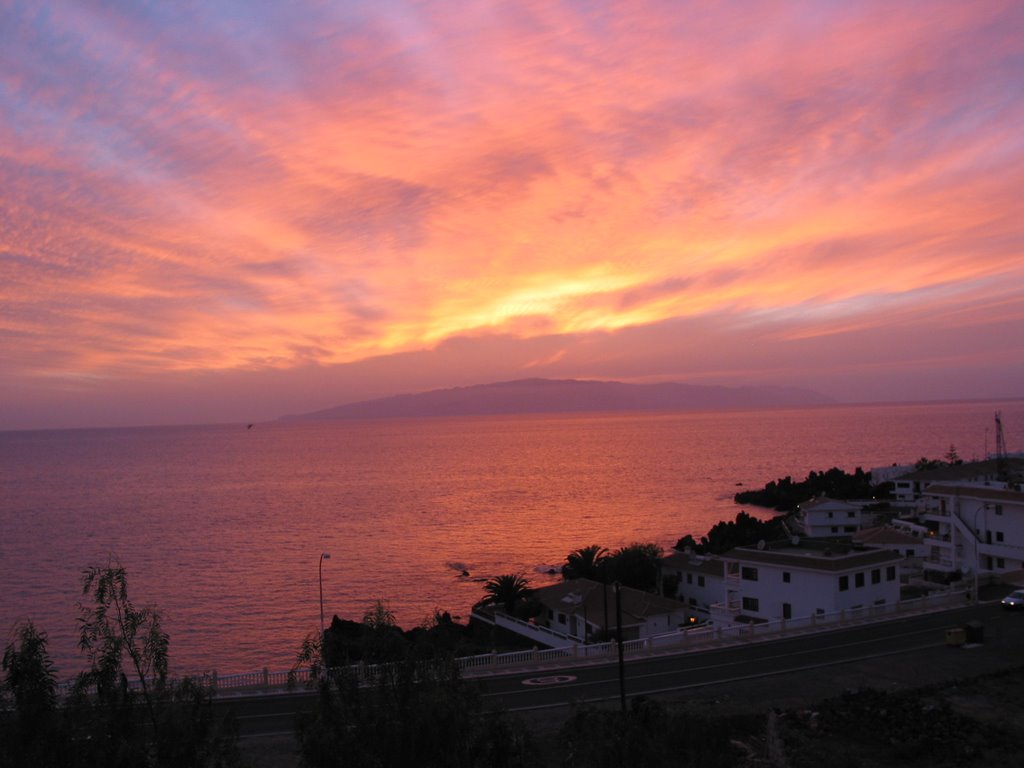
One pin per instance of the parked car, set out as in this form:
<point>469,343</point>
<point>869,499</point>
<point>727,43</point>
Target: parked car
<point>1014,600</point>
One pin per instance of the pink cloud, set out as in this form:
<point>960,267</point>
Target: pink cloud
<point>207,191</point>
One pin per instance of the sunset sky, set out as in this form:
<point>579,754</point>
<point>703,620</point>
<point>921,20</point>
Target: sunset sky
<point>216,211</point>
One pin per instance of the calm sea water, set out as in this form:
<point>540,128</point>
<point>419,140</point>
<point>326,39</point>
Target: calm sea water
<point>221,527</point>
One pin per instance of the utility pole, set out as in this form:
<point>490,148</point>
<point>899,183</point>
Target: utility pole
<point>618,636</point>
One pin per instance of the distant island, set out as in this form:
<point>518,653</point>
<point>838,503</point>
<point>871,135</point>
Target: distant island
<point>566,396</point>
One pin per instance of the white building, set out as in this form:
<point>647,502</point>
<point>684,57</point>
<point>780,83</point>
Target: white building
<point>823,516</point>
<point>701,581</point>
<point>912,486</point>
<point>801,578</point>
<point>890,474</point>
<point>975,530</point>
<point>909,540</point>
<point>582,609</point>
<point>906,539</point>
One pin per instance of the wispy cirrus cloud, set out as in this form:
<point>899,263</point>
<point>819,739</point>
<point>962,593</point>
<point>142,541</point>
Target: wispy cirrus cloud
<point>230,187</point>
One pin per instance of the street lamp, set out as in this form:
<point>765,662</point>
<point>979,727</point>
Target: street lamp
<point>323,556</point>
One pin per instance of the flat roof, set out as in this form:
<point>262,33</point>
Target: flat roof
<point>827,501</point>
<point>710,565</point>
<point>975,492</point>
<point>885,534</point>
<point>813,558</point>
<point>965,471</point>
<point>584,597</point>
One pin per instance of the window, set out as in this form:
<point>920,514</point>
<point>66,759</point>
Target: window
<point>1000,563</point>
<point>844,583</point>
<point>561,618</point>
<point>551,614</point>
<point>876,576</point>
<point>999,509</point>
<point>890,573</point>
<point>999,535</point>
<point>748,574</point>
<point>787,611</point>
<point>785,577</point>
<point>851,513</point>
<point>700,581</point>
<point>689,578</point>
<point>835,529</point>
<point>858,579</point>
<point>829,515</point>
<point>693,601</point>
<point>751,604</point>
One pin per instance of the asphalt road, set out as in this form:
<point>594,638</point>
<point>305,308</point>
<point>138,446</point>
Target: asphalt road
<point>905,651</point>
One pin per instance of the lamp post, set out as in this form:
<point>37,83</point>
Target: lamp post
<point>323,556</point>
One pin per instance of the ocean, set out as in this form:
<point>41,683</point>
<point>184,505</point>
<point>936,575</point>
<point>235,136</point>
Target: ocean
<point>221,527</point>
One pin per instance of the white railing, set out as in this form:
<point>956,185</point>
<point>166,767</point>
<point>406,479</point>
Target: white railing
<point>680,641</point>
<point>546,635</point>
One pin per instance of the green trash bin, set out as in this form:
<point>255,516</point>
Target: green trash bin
<point>975,632</point>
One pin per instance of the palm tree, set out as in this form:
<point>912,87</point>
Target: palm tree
<point>506,590</point>
<point>637,566</point>
<point>585,563</point>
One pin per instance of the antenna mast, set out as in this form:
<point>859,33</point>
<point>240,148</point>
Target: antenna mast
<point>1000,437</point>
<point>1002,470</point>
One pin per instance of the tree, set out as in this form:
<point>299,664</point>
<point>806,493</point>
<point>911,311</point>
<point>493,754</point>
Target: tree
<point>112,629</point>
<point>785,495</point>
<point>382,638</point>
<point>32,732</point>
<point>127,651</point>
<point>314,653</point>
<point>415,714</point>
<point>637,565</point>
<point>379,616</point>
<point>506,590</point>
<point>585,563</point>
<point>648,734</point>
<point>29,675</point>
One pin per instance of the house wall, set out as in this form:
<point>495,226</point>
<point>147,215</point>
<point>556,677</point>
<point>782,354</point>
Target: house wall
<point>698,592</point>
<point>820,524</point>
<point>976,533</point>
<point>810,591</point>
<point>573,625</point>
<point>907,490</point>
<point>659,625</point>
<point>833,518</point>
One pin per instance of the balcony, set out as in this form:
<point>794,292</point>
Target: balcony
<point>940,563</point>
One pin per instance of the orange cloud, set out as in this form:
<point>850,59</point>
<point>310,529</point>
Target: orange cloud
<point>209,191</point>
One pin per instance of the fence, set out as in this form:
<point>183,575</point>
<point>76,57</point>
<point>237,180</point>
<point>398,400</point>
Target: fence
<point>680,641</point>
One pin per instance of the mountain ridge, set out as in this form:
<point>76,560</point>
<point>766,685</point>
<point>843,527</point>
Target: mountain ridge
<point>539,395</point>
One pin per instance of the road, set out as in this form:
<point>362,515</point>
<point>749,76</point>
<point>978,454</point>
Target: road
<point>915,645</point>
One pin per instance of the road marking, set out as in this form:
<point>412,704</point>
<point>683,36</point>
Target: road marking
<point>710,683</point>
<point>549,680</point>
